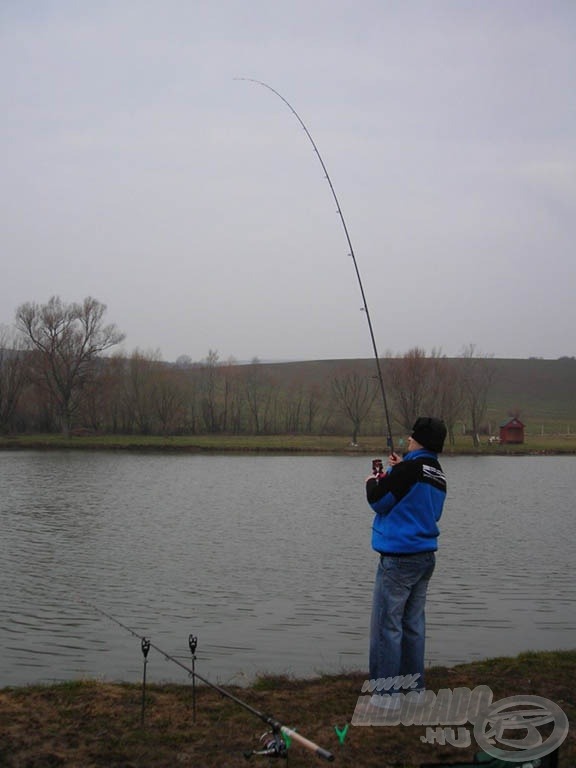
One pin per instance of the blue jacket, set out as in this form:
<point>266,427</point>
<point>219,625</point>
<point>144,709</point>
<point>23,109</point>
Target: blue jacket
<point>408,502</point>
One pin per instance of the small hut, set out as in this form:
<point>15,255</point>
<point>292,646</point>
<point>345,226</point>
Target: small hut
<point>512,431</point>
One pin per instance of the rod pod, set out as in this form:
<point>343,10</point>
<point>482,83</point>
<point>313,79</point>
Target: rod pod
<point>268,719</point>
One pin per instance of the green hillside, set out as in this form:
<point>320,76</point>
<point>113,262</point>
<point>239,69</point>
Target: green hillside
<point>542,392</point>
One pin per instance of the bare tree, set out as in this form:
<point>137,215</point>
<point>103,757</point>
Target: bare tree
<point>478,373</point>
<point>210,391</point>
<point>413,382</point>
<point>294,408</point>
<point>168,400</point>
<point>103,407</point>
<point>66,340</point>
<point>450,395</point>
<point>258,393</point>
<point>12,376</point>
<point>355,396</point>
<point>137,391</point>
<point>101,397</point>
<point>313,404</point>
<point>236,409</point>
<point>191,377</point>
<point>230,393</point>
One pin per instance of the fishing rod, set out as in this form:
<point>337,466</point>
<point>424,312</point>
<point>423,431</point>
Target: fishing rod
<point>274,747</point>
<point>389,441</point>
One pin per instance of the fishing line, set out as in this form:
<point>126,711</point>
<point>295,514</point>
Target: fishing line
<point>390,442</point>
<point>276,725</point>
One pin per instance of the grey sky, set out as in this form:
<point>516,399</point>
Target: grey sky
<point>137,170</point>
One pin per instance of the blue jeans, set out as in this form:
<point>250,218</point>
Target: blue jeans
<point>398,629</point>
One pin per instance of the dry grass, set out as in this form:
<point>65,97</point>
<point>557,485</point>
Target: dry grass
<point>96,725</point>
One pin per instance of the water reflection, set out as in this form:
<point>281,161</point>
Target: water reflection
<point>266,559</point>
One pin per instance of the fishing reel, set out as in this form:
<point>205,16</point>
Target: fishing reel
<point>273,745</point>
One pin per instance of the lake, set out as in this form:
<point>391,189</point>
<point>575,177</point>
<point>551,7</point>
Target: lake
<point>267,560</point>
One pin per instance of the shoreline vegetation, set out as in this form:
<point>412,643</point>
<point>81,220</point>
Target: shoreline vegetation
<point>97,724</point>
<point>280,444</point>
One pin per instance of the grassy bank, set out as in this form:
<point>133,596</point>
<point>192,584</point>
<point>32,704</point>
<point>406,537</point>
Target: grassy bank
<point>286,444</point>
<point>93,724</point>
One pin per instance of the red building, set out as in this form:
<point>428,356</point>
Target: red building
<point>512,431</point>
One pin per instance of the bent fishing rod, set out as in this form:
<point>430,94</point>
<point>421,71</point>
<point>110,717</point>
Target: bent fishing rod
<point>276,726</point>
<point>390,442</point>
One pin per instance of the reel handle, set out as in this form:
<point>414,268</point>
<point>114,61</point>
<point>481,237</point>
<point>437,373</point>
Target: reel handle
<point>319,751</point>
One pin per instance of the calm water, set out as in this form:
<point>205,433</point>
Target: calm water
<point>267,560</point>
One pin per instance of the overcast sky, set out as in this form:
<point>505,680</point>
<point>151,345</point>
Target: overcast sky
<point>138,170</point>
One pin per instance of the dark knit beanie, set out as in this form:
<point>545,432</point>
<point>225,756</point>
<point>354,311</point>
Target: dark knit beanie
<point>430,433</point>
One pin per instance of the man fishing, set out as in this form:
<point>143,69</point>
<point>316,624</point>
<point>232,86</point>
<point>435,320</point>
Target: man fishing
<point>408,498</point>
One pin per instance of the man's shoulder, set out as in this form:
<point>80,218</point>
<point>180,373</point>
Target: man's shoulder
<point>433,473</point>
<point>422,466</point>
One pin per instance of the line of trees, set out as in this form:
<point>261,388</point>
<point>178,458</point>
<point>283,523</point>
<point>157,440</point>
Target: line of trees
<point>54,377</point>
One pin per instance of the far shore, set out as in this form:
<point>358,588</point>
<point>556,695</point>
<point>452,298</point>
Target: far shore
<point>281,444</point>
